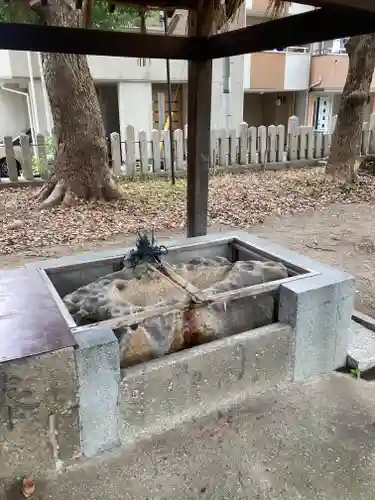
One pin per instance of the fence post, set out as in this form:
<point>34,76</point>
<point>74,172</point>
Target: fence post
<point>223,150</point>
<point>143,153</point>
<point>116,153</point>
<point>167,152</point>
<point>371,148</point>
<point>42,155</point>
<point>280,142</point>
<point>302,149</point>
<point>178,136</point>
<point>262,135</point>
<point>310,142</point>
<point>130,150</point>
<point>293,130</point>
<point>214,141</point>
<point>318,145</point>
<point>243,143</point>
<point>27,167</point>
<point>253,132</point>
<point>11,159</point>
<point>185,142</point>
<point>232,154</point>
<point>272,143</point>
<point>333,124</point>
<point>156,151</point>
<point>326,144</point>
<point>365,138</point>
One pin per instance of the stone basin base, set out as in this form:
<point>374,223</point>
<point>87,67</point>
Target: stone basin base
<point>64,394</point>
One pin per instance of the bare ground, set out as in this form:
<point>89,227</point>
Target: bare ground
<point>333,227</point>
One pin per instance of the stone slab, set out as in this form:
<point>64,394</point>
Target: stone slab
<point>307,441</point>
<point>30,320</point>
<point>163,393</point>
<point>319,308</point>
<point>98,370</point>
<point>39,430</point>
<point>361,349</point>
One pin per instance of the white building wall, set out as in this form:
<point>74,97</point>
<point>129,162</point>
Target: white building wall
<point>297,71</point>
<point>235,107</point>
<point>246,71</point>
<point>43,110</point>
<point>135,105</point>
<point>13,114</point>
<point>135,88</point>
<point>217,100</point>
<point>301,104</point>
<point>6,70</point>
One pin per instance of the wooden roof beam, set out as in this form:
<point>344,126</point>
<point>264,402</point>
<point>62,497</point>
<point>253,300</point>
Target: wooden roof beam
<point>157,4</point>
<point>313,26</point>
<point>39,38</point>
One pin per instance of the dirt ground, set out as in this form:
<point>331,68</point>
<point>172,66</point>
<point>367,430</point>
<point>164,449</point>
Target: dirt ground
<point>342,235</point>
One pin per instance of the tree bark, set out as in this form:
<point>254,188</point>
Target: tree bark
<point>81,167</point>
<point>347,133</point>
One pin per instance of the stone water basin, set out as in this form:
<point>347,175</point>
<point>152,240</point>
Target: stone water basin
<point>216,290</point>
<point>136,295</point>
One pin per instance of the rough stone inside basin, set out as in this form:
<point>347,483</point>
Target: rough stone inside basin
<point>154,314</point>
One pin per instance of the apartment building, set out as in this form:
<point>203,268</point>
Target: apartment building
<point>262,89</point>
<point>127,88</point>
<point>328,71</point>
<point>303,81</point>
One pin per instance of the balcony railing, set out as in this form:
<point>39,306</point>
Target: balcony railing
<point>301,50</point>
<point>331,47</point>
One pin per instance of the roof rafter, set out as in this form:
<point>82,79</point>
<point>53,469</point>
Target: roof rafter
<point>39,38</point>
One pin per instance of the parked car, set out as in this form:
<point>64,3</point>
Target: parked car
<point>50,155</point>
<point>17,152</point>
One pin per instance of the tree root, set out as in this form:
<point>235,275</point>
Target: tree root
<point>342,172</point>
<point>59,192</point>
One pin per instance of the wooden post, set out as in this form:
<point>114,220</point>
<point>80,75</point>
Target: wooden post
<point>130,150</point>
<point>232,157</point>
<point>11,159</point>
<point>143,152</point>
<point>27,164</point>
<point>223,150</point>
<point>199,124</point>
<point>253,144</point>
<point>156,150</point>
<point>280,142</point>
<point>116,153</point>
<point>179,154</point>
<point>42,155</point>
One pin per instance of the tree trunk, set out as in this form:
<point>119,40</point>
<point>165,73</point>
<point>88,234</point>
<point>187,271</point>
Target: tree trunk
<point>347,134</point>
<point>81,167</point>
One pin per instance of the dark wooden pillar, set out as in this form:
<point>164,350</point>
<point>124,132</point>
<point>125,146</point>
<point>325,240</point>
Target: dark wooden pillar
<point>199,133</point>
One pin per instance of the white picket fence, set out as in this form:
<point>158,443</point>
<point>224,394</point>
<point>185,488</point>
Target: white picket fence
<point>253,146</point>
<point>135,154</point>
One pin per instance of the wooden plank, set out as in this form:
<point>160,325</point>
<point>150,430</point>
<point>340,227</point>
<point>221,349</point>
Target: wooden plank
<point>161,4</point>
<point>290,31</point>
<point>22,292</point>
<point>40,38</point>
<point>199,124</point>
